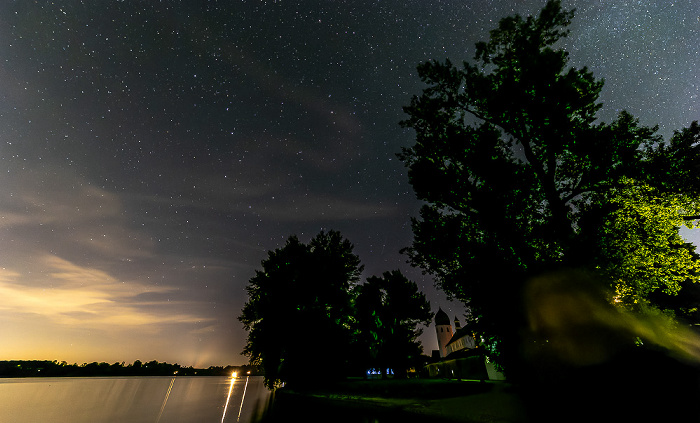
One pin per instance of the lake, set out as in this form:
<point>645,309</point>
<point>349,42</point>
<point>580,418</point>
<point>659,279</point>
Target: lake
<point>133,399</point>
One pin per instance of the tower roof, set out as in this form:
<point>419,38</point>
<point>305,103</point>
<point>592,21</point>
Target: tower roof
<point>441,318</point>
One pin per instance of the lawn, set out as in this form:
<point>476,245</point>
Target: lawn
<point>411,400</point>
<point>399,388</point>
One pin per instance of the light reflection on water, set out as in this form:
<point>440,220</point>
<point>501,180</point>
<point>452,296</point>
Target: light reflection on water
<point>167,395</point>
<point>132,399</point>
<point>228,397</point>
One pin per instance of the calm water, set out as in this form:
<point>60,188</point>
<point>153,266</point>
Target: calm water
<point>132,399</point>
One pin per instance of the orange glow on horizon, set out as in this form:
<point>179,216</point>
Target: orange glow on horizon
<point>64,311</point>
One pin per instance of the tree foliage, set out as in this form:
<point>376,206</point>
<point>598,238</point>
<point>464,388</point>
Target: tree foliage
<point>299,309</point>
<point>519,176</point>
<point>307,314</point>
<point>640,247</point>
<point>388,311</point>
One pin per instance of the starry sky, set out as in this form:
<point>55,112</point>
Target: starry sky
<point>151,153</point>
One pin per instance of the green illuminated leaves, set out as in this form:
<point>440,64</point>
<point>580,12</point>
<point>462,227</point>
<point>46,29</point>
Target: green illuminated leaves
<point>642,250</point>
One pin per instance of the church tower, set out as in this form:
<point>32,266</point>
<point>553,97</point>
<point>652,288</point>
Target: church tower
<point>443,329</point>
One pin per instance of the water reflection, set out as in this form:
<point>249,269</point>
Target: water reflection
<point>165,401</point>
<point>228,398</point>
<point>243,398</point>
<point>132,399</point>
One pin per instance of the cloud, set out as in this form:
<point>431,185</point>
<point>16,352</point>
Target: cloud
<point>57,210</point>
<point>320,208</point>
<point>69,294</point>
<point>10,219</point>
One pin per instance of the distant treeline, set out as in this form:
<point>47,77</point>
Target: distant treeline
<point>39,368</point>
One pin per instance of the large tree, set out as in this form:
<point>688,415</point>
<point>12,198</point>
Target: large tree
<point>389,309</point>
<point>299,311</point>
<point>518,177</point>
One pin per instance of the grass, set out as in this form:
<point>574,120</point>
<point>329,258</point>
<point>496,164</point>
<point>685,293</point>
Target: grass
<point>398,388</point>
<point>407,400</point>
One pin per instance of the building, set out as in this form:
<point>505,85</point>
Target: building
<point>462,339</point>
<point>443,330</point>
<point>449,340</point>
<point>458,356</point>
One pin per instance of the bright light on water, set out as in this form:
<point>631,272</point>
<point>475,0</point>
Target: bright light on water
<point>243,398</point>
<point>228,398</point>
<point>165,401</point>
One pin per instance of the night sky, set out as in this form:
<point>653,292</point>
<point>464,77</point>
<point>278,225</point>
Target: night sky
<point>151,153</point>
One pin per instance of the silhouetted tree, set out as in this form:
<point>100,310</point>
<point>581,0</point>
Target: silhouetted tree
<point>388,311</point>
<point>519,178</point>
<point>299,310</point>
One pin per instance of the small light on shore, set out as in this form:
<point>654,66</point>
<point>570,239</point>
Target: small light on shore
<point>233,374</point>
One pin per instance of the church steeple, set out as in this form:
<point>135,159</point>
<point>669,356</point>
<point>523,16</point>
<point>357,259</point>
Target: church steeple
<point>443,330</point>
